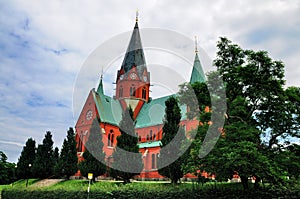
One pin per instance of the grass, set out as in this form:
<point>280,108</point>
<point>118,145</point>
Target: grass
<point>113,189</point>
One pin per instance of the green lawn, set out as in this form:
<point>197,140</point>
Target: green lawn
<point>112,189</point>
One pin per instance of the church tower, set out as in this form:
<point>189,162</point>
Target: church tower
<point>133,79</point>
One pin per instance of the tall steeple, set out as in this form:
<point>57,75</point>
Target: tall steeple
<point>100,86</point>
<point>134,56</point>
<point>197,73</point>
<point>133,79</point>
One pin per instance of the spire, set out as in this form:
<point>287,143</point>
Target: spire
<point>100,86</point>
<point>134,55</point>
<point>196,44</point>
<point>197,73</point>
<point>137,15</point>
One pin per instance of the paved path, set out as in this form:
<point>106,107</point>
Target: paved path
<point>46,182</point>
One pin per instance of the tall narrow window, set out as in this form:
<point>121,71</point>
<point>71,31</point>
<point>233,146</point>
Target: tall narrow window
<point>121,91</point>
<point>153,157</point>
<point>110,138</point>
<point>144,93</point>
<point>147,137</point>
<point>132,90</point>
<point>150,134</point>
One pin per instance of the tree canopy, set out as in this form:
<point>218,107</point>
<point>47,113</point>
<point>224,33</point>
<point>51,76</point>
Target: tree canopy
<point>127,160</point>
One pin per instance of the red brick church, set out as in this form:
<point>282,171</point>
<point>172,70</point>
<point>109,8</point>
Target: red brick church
<point>132,89</point>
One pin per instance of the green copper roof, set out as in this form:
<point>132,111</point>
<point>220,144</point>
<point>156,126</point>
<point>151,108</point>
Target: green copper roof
<point>109,109</point>
<point>134,55</point>
<point>153,113</point>
<point>197,73</point>
<point>149,144</point>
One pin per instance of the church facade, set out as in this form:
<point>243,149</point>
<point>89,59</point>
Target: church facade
<point>132,89</point>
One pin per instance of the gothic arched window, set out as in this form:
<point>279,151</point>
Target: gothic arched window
<point>110,138</point>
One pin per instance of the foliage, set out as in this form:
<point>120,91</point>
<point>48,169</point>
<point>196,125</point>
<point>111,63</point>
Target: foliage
<point>26,158</point>
<point>261,118</point>
<point>67,161</point>
<point>7,170</point>
<point>127,160</point>
<point>43,165</point>
<point>170,160</point>
<point>78,189</point>
<point>93,155</point>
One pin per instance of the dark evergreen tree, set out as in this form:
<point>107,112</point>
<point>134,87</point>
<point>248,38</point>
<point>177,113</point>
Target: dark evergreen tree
<point>26,158</point>
<point>93,154</point>
<point>43,164</point>
<point>6,170</point>
<point>127,161</point>
<point>67,162</point>
<point>170,160</point>
<point>56,155</point>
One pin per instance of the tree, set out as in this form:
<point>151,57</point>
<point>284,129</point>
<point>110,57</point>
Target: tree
<point>43,164</point>
<point>93,154</point>
<point>26,158</point>
<point>6,170</point>
<point>169,161</point>
<point>255,101</point>
<point>127,161</point>
<point>67,161</point>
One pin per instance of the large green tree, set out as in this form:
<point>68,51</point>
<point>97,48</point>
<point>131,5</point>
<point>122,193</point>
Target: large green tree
<point>43,165</point>
<point>170,158</point>
<point>67,161</point>
<point>255,104</point>
<point>262,117</point>
<point>127,160</point>
<point>93,154</point>
<point>26,158</point>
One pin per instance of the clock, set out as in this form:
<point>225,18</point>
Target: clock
<point>145,78</point>
<point>133,76</point>
<point>121,77</point>
<point>89,115</point>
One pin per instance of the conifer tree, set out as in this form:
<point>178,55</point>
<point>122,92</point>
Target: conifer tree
<point>93,154</point>
<point>169,161</point>
<point>27,157</point>
<point>67,162</point>
<point>43,164</point>
<point>127,161</point>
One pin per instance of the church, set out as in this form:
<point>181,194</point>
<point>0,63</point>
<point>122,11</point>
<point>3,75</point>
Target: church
<point>132,89</point>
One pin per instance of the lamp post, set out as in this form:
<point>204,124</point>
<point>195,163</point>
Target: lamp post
<point>29,166</point>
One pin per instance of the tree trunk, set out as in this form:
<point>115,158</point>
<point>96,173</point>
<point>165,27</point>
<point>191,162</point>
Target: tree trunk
<point>244,181</point>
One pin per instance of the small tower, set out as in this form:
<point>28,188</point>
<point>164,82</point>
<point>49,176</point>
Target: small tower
<point>197,73</point>
<point>133,79</point>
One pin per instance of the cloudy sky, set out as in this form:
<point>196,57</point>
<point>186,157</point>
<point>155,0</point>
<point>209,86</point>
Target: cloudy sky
<point>44,45</point>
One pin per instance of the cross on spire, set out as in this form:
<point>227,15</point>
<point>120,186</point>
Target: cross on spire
<point>137,15</point>
<point>196,45</point>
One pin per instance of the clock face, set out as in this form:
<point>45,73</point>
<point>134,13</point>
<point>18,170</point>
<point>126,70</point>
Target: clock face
<point>145,78</point>
<point>133,76</point>
<point>121,77</point>
<point>89,115</point>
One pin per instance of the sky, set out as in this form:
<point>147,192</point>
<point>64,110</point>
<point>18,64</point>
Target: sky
<point>45,44</point>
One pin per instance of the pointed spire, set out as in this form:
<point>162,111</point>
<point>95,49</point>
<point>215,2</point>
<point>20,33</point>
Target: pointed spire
<point>197,73</point>
<point>100,86</point>
<point>134,55</point>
